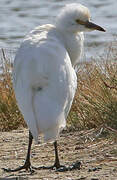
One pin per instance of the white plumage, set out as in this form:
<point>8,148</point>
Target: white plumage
<point>45,80</point>
<point>44,77</point>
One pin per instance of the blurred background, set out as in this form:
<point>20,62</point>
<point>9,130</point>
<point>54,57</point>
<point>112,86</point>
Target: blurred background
<point>17,18</point>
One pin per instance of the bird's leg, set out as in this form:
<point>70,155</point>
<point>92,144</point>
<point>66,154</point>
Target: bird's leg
<point>57,163</point>
<point>27,164</point>
<point>62,168</point>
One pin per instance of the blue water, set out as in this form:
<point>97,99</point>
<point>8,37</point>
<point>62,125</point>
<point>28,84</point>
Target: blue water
<point>18,17</point>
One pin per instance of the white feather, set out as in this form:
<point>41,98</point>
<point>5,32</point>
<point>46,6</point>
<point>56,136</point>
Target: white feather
<point>44,82</point>
<point>44,77</point>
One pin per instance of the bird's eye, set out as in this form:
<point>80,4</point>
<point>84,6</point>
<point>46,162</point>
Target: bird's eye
<point>80,22</point>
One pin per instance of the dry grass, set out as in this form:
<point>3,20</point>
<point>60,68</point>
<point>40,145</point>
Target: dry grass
<point>95,102</point>
<point>10,117</point>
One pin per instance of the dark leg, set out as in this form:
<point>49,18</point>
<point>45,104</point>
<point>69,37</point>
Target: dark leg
<point>27,164</point>
<point>61,168</point>
<point>57,163</point>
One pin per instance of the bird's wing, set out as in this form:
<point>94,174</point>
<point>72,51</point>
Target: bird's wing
<point>27,77</point>
<point>44,80</point>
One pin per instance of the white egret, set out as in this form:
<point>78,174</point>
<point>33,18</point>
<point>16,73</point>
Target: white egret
<point>44,77</point>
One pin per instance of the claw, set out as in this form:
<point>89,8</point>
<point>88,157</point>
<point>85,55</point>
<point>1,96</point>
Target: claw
<point>76,165</point>
<point>61,168</point>
<point>26,166</point>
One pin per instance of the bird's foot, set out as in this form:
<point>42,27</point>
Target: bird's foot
<point>27,166</point>
<point>61,168</point>
<point>74,166</point>
<point>47,167</point>
<point>54,167</point>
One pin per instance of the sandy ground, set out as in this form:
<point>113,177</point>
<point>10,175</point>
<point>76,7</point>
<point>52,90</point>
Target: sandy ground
<point>97,155</point>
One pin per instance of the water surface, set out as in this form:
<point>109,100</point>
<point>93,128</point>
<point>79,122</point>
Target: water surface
<point>18,17</point>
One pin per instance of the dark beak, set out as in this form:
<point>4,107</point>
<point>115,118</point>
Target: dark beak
<point>93,26</point>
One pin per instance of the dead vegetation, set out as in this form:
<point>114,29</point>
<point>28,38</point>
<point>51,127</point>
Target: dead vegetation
<point>95,102</point>
<point>10,117</point>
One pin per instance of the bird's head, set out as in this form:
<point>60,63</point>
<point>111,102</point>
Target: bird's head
<point>76,18</point>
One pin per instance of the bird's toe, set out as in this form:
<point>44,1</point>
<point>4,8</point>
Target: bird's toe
<point>26,166</point>
<point>76,165</point>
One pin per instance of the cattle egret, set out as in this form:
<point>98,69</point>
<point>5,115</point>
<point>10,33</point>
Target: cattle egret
<point>44,75</point>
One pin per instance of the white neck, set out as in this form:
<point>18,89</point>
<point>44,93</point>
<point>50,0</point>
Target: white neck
<point>74,45</point>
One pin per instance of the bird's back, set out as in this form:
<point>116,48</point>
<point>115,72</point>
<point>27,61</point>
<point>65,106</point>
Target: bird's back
<point>44,82</point>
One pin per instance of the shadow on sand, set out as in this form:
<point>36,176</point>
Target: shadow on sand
<point>14,178</point>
